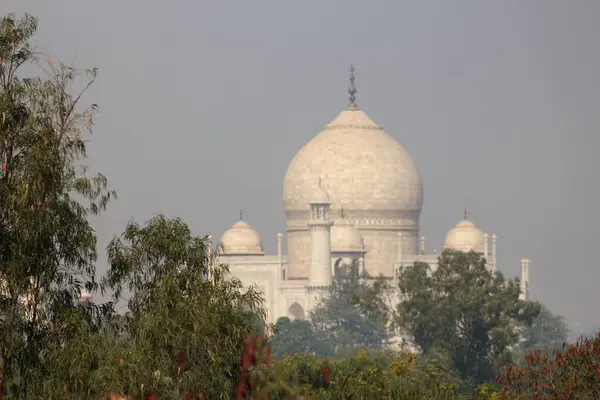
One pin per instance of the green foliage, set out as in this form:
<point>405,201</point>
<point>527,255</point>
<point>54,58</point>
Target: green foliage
<point>547,331</point>
<point>191,327</point>
<point>298,337</point>
<point>380,375</point>
<point>47,246</point>
<point>461,309</point>
<point>355,313</point>
<point>183,303</point>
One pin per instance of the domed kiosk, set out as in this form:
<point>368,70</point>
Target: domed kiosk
<point>345,238</point>
<point>241,239</point>
<point>465,236</point>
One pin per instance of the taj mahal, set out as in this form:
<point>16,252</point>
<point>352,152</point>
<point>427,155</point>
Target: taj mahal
<point>352,194</point>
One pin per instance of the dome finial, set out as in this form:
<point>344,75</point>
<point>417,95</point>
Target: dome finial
<point>465,213</point>
<point>352,89</point>
<point>241,215</point>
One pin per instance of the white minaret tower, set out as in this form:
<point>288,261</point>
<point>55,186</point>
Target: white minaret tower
<point>486,248</point>
<point>524,295</point>
<point>493,264</point>
<point>280,252</point>
<point>320,241</point>
<point>398,255</point>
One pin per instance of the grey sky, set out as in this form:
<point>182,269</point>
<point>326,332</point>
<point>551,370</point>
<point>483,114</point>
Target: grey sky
<point>204,103</point>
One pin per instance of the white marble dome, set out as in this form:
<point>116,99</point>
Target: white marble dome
<point>465,236</point>
<point>241,238</point>
<point>362,168</point>
<point>346,238</point>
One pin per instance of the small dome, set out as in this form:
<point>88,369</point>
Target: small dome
<point>345,237</point>
<point>465,236</point>
<point>240,239</point>
<point>319,196</point>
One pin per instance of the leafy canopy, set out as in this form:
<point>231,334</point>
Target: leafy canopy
<point>47,246</point>
<point>547,330</point>
<point>298,337</point>
<point>355,313</point>
<point>464,310</point>
<point>184,305</point>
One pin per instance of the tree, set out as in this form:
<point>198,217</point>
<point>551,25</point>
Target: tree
<point>184,306</point>
<point>569,373</point>
<point>355,314</point>
<point>463,310</point>
<point>298,337</point>
<point>547,331</point>
<point>47,246</point>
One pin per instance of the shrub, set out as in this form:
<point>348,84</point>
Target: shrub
<point>573,373</point>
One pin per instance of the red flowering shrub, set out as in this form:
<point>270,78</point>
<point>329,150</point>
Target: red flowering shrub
<point>573,373</point>
<point>256,347</point>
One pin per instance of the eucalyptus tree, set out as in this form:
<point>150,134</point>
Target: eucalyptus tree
<point>548,330</point>
<point>298,337</point>
<point>47,246</point>
<point>188,315</point>
<point>355,313</point>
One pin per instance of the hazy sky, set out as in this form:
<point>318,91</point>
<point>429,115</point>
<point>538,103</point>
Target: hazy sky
<point>204,103</point>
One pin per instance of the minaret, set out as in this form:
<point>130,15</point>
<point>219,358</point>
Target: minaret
<point>398,255</point>
<point>524,295</point>
<point>493,263</point>
<point>527,278</point>
<point>486,248</point>
<point>361,268</point>
<point>423,244</point>
<point>280,248</point>
<point>320,241</point>
<point>207,273</point>
<point>282,274</point>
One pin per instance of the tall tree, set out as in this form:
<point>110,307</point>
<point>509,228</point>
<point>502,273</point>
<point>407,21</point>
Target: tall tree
<point>298,337</point>
<point>547,330</point>
<point>461,309</point>
<point>47,246</point>
<point>355,313</point>
<point>184,306</point>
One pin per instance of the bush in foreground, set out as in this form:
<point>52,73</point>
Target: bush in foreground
<point>573,373</point>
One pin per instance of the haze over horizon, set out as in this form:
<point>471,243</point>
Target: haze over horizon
<point>204,104</point>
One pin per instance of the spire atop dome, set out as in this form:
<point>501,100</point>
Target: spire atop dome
<point>465,213</point>
<point>241,215</point>
<point>352,89</point>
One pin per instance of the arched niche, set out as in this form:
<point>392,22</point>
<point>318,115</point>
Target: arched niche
<point>341,264</point>
<point>296,311</point>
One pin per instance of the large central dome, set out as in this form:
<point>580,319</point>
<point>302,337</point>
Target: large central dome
<point>362,168</point>
<point>370,179</point>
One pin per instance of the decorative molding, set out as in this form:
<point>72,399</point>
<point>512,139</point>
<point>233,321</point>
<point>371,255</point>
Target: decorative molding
<point>319,224</point>
<point>371,222</point>
<point>317,287</point>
